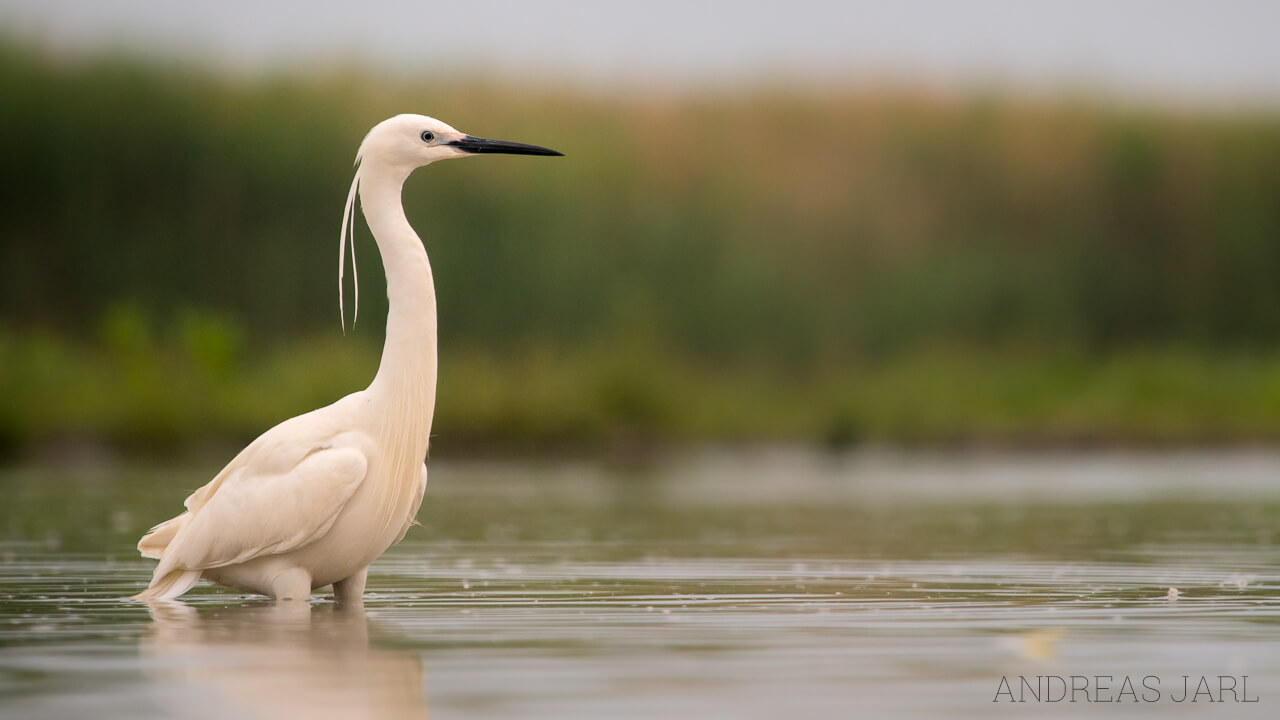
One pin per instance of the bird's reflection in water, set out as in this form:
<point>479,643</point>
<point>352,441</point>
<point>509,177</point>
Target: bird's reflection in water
<point>281,660</point>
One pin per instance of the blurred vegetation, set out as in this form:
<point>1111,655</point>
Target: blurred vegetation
<point>832,267</point>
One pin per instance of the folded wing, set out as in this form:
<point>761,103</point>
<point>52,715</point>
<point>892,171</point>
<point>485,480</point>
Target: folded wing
<point>264,507</point>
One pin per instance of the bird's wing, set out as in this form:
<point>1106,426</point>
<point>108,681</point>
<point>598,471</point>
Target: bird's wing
<point>275,452</point>
<point>282,496</point>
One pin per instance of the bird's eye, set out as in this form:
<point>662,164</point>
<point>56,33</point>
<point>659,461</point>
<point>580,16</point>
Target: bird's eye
<point>427,136</point>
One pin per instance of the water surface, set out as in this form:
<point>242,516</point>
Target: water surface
<point>764,584</point>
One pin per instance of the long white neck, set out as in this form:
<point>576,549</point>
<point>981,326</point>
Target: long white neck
<point>403,392</point>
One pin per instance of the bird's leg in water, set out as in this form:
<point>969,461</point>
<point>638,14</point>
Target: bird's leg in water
<point>292,584</point>
<point>351,591</point>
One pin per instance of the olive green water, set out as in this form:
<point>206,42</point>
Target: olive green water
<point>740,585</point>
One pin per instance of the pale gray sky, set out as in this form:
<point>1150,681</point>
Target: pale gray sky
<point>1184,50</point>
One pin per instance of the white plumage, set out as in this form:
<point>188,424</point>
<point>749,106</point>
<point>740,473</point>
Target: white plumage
<point>317,498</point>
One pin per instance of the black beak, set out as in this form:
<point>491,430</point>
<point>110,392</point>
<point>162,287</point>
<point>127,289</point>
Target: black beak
<point>481,145</point>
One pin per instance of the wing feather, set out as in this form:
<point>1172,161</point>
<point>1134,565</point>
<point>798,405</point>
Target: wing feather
<point>257,509</point>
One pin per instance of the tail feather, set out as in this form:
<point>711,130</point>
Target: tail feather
<point>153,544</point>
<point>171,585</point>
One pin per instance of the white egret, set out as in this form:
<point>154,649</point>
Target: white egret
<point>317,498</point>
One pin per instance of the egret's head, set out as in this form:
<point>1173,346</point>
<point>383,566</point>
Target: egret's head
<point>396,147</point>
<point>411,141</point>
